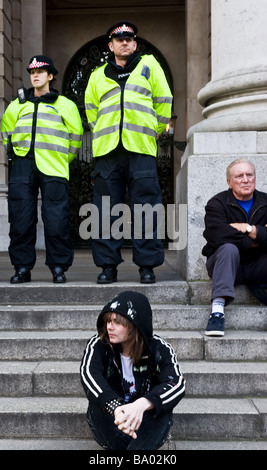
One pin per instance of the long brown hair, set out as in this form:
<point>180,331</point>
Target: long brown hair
<point>136,340</point>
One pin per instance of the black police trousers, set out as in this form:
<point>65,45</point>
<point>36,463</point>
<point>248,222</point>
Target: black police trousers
<point>114,174</point>
<point>24,183</point>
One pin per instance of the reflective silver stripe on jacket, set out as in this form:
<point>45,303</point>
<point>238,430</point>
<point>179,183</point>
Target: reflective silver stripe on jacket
<point>138,89</point>
<point>130,127</point>
<point>92,124</point>
<point>26,116</point>
<point>49,117</point>
<point>45,116</point>
<point>110,93</point>
<point>89,106</point>
<point>107,130</point>
<point>163,119</point>
<point>109,109</point>
<point>140,107</point>
<point>43,146</point>
<point>140,129</point>
<point>41,131</point>
<point>162,99</point>
<point>46,131</point>
<point>73,150</point>
<point>77,137</point>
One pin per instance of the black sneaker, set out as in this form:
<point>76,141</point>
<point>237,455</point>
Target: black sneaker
<point>215,326</point>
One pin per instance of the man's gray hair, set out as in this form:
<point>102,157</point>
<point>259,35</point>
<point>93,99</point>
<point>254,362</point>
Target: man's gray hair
<point>235,162</point>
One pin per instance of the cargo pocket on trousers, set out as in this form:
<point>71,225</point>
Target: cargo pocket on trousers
<point>18,188</point>
<point>18,195</point>
<point>55,190</point>
<point>145,187</point>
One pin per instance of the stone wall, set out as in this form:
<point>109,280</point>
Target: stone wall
<point>10,80</point>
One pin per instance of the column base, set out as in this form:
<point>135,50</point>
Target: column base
<point>4,225</point>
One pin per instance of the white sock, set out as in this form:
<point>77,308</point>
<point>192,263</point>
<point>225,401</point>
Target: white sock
<point>218,305</point>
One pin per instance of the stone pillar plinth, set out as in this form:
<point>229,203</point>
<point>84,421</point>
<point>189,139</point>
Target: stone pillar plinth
<point>236,97</point>
<point>235,118</point>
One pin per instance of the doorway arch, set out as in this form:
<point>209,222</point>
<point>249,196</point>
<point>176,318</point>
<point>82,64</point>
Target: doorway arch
<point>76,76</point>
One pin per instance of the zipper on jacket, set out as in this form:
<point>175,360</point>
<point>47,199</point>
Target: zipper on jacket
<point>257,208</point>
<point>34,122</point>
<point>119,372</point>
<point>240,208</point>
<point>244,212</point>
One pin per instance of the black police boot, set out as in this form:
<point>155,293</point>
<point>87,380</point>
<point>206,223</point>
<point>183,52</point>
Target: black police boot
<point>108,275</point>
<point>58,275</point>
<point>21,275</point>
<point>147,275</point>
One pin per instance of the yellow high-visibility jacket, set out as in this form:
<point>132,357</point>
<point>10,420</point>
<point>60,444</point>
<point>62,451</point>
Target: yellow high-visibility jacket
<point>141,111</point>
<point>51,129</point>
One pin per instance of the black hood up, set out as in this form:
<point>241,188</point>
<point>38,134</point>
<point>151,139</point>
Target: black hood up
<point>135,307</point>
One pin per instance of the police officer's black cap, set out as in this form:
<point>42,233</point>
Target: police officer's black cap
<point>42,62</point>
<point>122,29</point>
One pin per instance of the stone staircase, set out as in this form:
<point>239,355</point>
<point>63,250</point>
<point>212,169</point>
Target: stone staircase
<point>44,329</point>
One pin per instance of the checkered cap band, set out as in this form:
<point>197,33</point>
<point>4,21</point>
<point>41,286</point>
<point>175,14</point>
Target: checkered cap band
<point>122,29</point>
<point>36,65</point>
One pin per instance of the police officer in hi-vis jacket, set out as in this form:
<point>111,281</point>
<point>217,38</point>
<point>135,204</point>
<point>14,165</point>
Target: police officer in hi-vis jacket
<point>128,104</point>
<point>45,132</point>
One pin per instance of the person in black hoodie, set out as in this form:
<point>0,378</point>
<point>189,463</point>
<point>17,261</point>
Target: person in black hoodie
<point>131,377</point>
<point>43,131</point>
<point>236,235</point>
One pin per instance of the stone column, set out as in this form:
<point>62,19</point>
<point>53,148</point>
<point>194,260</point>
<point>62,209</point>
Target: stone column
<point>235,118</point>
<point>236,97</point>
<point>197,54</point>
<point>22,26</point>
<point>33,42</point>
<point>10,78</point>
<point>33,32</point>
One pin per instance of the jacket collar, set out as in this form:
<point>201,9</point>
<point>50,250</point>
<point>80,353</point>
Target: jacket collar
<point>130,64</point>
<point>258,200</point>
<point>47,98</point>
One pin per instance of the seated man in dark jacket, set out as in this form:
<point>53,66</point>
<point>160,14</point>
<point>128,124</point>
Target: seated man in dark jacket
<point>236,234</point>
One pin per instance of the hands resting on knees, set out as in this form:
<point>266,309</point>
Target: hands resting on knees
<point>129,417</point>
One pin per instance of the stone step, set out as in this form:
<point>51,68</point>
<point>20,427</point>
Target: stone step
<point>165,316</point>
<point>49,444</point>
<point>178,292</point>
<point>203,379</point>
<point>85,445</point>
<point>194,418</point>
<point>220,418</point>
<point>189,345</point>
